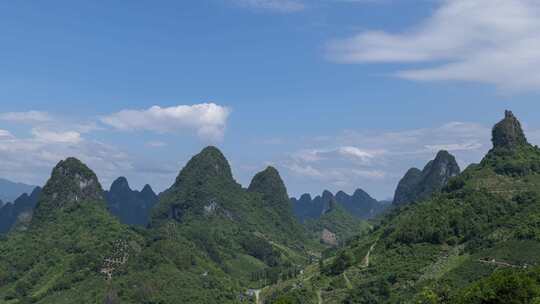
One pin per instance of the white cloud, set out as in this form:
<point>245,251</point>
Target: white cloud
<point>305,171</point>
<point>208,120</point>
<point>357,153</point>
<point>284,6</point>
<point>487,41</point>
<point>5,134</point>
<point>56,137</point>
<point>348,152</point>
<point>466,146</point>
<point>156,144</point>
<point>375,161</point>
<point>26,117</point>
<point>31,159</point>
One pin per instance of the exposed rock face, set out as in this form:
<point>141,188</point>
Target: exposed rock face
<point>130,206</point>
<point>360,204</point>
<point>511,154</point>
<point>508,134</point>
<point>328,238</point>
<point>71,182</point>
<point>407,187</point>
<point>418,185</point>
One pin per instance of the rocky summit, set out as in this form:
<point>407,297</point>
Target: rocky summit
<point>508,134</point>
<point>417,185</point>
<point>71,183</point>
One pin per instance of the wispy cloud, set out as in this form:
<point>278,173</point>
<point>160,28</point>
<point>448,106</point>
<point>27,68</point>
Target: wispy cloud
<point>487,41</point>
<point>48,136</point>
<point>29,117</point>
<point>31,158</point>
<point>282,6</point>
<point>208,120</point>
<point>156,144</point>
<point>377,160</point>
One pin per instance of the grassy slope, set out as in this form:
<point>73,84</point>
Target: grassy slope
<point>438,246</point>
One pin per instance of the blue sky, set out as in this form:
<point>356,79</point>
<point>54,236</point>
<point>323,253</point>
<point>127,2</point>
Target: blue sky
<point>335,94</point>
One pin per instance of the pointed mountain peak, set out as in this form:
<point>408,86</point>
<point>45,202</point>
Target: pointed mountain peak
<point>120,183</point>
<point>306,197</point>
<point>341,193</point>
<point>209,164</point>
<point>36,192</point>
<point>327,195</point>
<point>508,134</point>
<point>443,155</point>
<point>147,190</point>
<point>270,184</point>
<point>360,193</point>
<point>444,162</point>
<point>71,181</point>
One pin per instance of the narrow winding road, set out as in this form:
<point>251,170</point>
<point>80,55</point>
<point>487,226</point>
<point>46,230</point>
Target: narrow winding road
<point>258,296</point>
<point>366,258</point>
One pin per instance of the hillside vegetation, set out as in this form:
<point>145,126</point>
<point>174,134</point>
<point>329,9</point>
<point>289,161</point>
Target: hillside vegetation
<point>476,241</point>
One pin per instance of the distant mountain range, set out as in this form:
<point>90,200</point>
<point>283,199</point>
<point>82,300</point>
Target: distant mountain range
<point>132,207</point>
<point>10,191</point>
<point>11,212</point>
<point>360,204</point>
<point>466,238</point>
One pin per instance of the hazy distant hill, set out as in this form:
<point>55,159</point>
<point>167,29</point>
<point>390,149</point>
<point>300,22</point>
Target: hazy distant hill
<point>24,204</point>
<point>132,207</point>
<point>360,204</point>
<point>10,191</point>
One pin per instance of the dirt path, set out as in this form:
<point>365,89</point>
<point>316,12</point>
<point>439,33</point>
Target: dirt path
<point>366,258</point>
<point>347,281</point>
<point>498,263</point>
<point>258,296</point>
<point>319,297</point>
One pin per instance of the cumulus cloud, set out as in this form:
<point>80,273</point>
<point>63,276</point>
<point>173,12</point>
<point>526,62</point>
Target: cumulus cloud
<point>283,6</point>
<point>487,41</point>
<point>208,120</point>
<point>29,117</point>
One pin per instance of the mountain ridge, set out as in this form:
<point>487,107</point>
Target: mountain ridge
<point>417,185</point>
